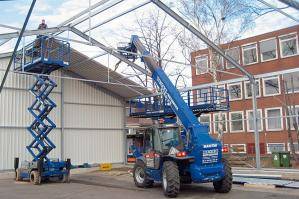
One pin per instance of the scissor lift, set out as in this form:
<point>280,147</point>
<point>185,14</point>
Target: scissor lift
<point>41,57</point>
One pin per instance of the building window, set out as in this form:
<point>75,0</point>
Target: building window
<point>236,121</point>
<point>291,82</point>
<point>275,147</point>
<point>249,54</point>
<point>235,91</point>
<point>273,119</point>
<point>238,148</point>
<point>268,49</point>
<point>271,86</point>
<point>205,119</point>
<point>288,45</point>
<point>293,114</point>
<point>250,127</point>
<point>201,64</point>
<point>220,122</point>
<point>235,54</point>
<point>296,146</point>
<point>217,61</point>
<point>248,90</point>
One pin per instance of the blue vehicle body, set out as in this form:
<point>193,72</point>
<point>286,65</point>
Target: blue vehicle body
<point>42,57</point>
<point>203,162</point>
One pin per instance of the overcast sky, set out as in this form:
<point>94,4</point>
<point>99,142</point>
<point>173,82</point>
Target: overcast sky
<point>56,11</point>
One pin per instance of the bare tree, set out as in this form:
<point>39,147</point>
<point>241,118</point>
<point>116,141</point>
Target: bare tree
<point>159,37</point>
<point>222,21</point>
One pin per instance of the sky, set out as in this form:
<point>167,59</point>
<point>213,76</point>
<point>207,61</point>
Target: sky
<point>56,11</point>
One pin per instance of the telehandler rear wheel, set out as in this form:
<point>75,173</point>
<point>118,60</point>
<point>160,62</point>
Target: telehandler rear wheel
<point>170,179</point>
<point>224,185</point>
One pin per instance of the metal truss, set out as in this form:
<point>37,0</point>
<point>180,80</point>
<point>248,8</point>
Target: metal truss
<point>69,25</point>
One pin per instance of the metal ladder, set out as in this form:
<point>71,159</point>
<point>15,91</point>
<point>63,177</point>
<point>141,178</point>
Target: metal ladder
<point>42,125</point>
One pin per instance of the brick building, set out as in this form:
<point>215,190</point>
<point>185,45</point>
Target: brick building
<point>273,58</point>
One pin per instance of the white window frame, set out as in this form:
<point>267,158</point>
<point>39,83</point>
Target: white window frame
<point>289,148</point>
<point>261,119</point>
<point>245,150</point>
<point>266,118</point>
<point>280,42</point>
<point>257,57</point>
<point>286,119</point>
<point>269,152</point>
<point>230,122</point>
<point>264,86</point>
<point>207,61</point>
<point>262,58</point>
<point>221,59</point>
<point>246,92</point>
<point>210,121</point>
<point>233,84</point>
<point>283,77</point>
<point>239,62</point>
<point>214,122</point>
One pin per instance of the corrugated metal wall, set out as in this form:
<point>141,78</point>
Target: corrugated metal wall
<point>93,124</point>
<point>91,129</point>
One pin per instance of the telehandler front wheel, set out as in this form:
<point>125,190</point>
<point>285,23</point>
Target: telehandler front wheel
<point>170,179</point>
<point>140,176</point>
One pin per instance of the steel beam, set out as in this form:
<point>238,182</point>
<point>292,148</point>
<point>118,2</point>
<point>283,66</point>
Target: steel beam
<point>108,50</point>
<point>278,10</point>
<point>82,12</point>
<point>4,41</point>
<point>33,32</point>
<point>9,27</point>
<point>88,59</point>
<point>17,44</point>
<point>216,48</point>
<point>117,16</point>
<point>197,33</point>
<point>292,3</point>
<point>102,9</point>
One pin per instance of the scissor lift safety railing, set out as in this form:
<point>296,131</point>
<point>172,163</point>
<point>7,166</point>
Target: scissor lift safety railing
<point>41,57</point>
<point>212,99</point>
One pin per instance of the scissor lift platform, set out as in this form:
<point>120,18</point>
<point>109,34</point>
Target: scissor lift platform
<point>212,99</point>
<point>41,57</point>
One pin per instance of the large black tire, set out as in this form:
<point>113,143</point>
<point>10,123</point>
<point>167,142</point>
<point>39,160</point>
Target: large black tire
<point>140,178</point>
<point>170,179</point>
<point>224,185</point>
<point>18,175</point>
<point>35,178</point>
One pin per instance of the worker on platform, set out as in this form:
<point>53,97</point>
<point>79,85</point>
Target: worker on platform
<point>41,26</point>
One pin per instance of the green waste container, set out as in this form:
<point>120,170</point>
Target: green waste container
<point>276,159</point>
<point>285,159</point>
<point>281,159</point>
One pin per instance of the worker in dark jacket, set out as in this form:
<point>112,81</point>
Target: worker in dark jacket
<point>41,26</point>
